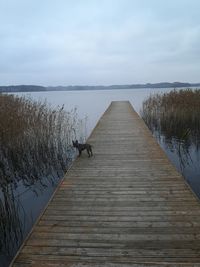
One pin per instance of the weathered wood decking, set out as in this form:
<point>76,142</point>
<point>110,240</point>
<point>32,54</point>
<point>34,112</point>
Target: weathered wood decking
<point>126,206</point>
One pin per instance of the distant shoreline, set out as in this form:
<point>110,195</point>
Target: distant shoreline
<point>36,88</point>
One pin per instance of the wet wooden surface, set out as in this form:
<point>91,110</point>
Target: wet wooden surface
<point>125,206</point>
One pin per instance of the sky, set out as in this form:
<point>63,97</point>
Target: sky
<point>93,42</point>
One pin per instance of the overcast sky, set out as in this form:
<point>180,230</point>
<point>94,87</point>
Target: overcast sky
<point>64,42</point>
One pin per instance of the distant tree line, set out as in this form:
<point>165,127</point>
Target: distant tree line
<point>36,88</point>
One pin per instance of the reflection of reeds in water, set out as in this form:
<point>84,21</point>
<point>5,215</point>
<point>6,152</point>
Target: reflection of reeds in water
<point>175,116</point>
<point>35,143</point>
<point>11,224</point>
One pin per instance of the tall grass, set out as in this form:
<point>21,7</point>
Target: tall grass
<point>175,116</point>
<point>35,140</point>
<point>35,143</point>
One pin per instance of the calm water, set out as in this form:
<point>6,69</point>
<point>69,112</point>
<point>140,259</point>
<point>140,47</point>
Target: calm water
<point>29,202</point>
<point>93,103</point>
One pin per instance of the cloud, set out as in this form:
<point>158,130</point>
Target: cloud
<point>99,42</point>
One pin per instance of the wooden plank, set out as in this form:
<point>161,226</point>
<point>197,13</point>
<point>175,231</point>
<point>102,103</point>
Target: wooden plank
<point>121,223</point>
<point>65,212</point>
<point>47,263</point>
<point>117,229</point>
<point>73,259</point>
<point>63,263</point>
<point>107,252</point>
<point>125,206</point>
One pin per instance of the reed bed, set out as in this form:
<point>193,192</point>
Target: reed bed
<point>35,146</point>
<point>174,116</point>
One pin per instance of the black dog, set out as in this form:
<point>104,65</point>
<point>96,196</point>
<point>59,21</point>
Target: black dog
<point>82,147</point>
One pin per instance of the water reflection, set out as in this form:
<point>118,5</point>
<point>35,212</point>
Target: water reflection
<point>11,223</point>
<point>179,147</point>
<point>174,120</point>
<point>20,204</point>
<point>15,213</point>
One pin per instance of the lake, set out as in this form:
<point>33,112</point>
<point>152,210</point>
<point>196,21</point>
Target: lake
<point>91,105</point>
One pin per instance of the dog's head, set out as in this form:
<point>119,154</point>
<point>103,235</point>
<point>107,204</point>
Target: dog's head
<point>75,143</point>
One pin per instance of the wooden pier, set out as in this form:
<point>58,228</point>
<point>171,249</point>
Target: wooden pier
<point>125,206</point>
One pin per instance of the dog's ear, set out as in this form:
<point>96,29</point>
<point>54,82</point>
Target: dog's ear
<point>76,141</point>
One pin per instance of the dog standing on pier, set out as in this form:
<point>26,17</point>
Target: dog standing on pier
<point>82,147</point>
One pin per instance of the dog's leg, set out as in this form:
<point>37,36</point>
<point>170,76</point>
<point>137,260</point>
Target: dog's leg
<point>88,151</point>
<point>91,152</point>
